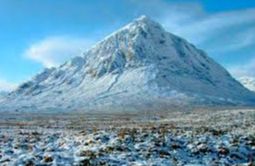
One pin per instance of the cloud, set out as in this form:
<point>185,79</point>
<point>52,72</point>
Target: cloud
<point>240,41</point>
<point>6,86</point>
<point>200,27</point>
<point>53,51</point>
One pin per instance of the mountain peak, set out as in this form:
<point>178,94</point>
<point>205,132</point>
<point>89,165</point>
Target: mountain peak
<point>147,23</point>
<point>144,19</point>
<point>135,44</point>
<point>138,25</point>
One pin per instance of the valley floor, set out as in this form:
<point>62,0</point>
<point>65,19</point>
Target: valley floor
<point>201,137</point>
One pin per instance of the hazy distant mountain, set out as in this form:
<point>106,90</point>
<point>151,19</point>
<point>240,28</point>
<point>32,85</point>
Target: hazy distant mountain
<point>139,66</point>
<point>248,82</point>
<point>3,93</point>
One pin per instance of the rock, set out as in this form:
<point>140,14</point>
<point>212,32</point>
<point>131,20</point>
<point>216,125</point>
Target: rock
<point>5,160</point>
<point>202,148</point>
<point>175,146</point>
<point>29,163</point>
<point>85,162</point>
<point>48,159</point>
<point>164,152</point>
<point>236,156</point>
<point>250,164</point>
<point>223,151</point>
<point>88,153</point>
<point>109,149</point>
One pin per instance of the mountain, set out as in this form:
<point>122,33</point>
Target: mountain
<point>3,94</point>
<point>140,66</point>
<point>248,82</point>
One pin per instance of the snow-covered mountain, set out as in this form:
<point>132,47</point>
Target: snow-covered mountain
<point>248,82</point>
<point>139,66</point>
<point>3,94</point>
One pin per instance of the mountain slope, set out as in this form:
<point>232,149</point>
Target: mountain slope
<point>139,66</point>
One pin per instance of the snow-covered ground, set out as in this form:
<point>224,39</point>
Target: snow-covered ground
<point>202,137</point>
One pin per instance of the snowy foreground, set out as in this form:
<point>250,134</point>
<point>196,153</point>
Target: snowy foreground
<point>178,138</point>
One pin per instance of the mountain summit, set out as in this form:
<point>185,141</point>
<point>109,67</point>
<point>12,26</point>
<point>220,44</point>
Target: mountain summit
<point>140,66</point>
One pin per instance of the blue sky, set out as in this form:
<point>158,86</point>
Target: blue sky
<point>45,33</point>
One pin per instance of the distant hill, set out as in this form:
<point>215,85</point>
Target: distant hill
<point>248,82</point>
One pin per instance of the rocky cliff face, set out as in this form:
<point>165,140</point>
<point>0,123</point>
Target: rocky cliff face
<point>139,66</point>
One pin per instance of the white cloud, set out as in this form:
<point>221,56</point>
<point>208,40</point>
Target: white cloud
<point>199,26</point>
<point>240,41</point>
<point>6,86</point>
<point>53,51</point>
